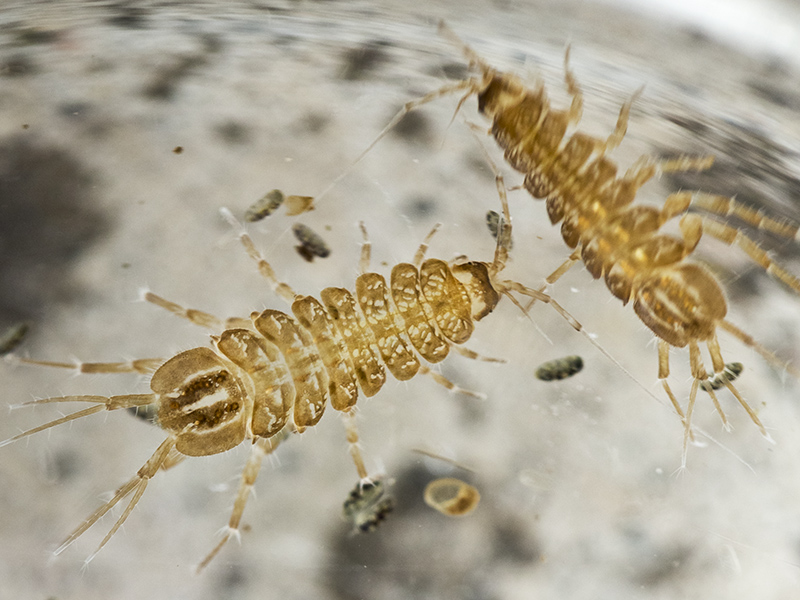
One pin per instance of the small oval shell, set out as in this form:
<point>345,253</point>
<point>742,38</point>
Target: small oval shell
<point>451,496</point>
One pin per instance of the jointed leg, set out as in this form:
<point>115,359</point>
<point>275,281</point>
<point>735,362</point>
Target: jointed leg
<point>366,249</point>
<point>423,247</point>
<point>621,128</point>
<point>198,317</point>
<point>719,368</point>
<point>101,403</point>
<point>260,448</point>
<point>281,288</point>
<point>136,485</point>
<point>574,90</point>
<point>351,428</point>
<point>467,84</point>
<point>452,387</point>
<point>145,366</point>
<point>735,237</point>
<point>726,207</point>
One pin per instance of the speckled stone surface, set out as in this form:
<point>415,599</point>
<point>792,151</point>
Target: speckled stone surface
<point>579,495</point>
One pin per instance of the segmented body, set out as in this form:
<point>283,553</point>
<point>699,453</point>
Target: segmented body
<point>288,369</point>
<point>680,301</point>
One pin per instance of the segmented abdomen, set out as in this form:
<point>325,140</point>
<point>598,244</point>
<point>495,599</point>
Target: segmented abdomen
<point>618,242</point>
<point>292,367</point>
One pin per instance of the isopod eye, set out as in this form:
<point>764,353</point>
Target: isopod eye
<point>451,497</point>
<point>201,402</point>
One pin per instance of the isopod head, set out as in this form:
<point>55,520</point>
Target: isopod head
<point>200,402</point>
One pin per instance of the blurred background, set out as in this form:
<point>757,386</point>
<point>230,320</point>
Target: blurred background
<point>125,126</point>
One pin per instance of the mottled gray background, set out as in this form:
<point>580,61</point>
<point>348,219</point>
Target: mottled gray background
<point>579,496</point>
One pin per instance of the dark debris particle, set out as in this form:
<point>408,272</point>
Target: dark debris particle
<point>64,465</point>
<point>421,207</point>
<point>314,122</point>
<point>75,110</point>
<point>414,127</point>
<point>177,150</point>
<point>361,61</point>
<point>453,70</point>
<point>232,132</point>
<point>775,94</point>
<point>32,36</point>
<point>47,220</point>
<point>164,85</point>
<point>19,65</point>
<point>687,123</point>
<point>128,16</point>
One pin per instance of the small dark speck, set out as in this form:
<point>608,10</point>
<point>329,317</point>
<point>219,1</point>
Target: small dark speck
<point>29,36</point>
<point>314,122</point>
<point>774,94</point>
<point>421,207</point>
<point>17,66</point>
<point>128,16</point>
<point>687,123</point>
<point>232,132</point>
<point>360,61</point>
<point>25,126</point>
<point>453,70</point>
<point>126,265</point>
<point>212,43</point>
<point>74,109</point>
<point>513,544</point>
<point>178,150</point>
<point>64,466</point>
<point>164,85</point>
<point>234,577</point>
<point>413,127</point>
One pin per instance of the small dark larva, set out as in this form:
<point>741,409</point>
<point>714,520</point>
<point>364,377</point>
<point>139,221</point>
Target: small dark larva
<point>367,506</point>
<point>560,368</point>
<point>493,221</point>
<point>264,206</point>
<point>715,382</point>
<point>311,244</point>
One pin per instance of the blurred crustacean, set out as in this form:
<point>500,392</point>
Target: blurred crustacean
<point>680,301</point>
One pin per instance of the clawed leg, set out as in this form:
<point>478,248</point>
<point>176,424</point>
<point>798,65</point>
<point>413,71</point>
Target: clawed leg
<point>101,403</point>
<point>574,90</point>
<point>423,247</point>
<point>145,366</point>
<point>452,387</point>
<point>282,289</point>
<point>198,317</point>
<point>621,128</point>
<point>467,84</point>
<point>260,448</point>
<point>467,353</point>
<point>724,206</point>
<point>136,485</point>
<point>735,237</point>
<point>351,428</point>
